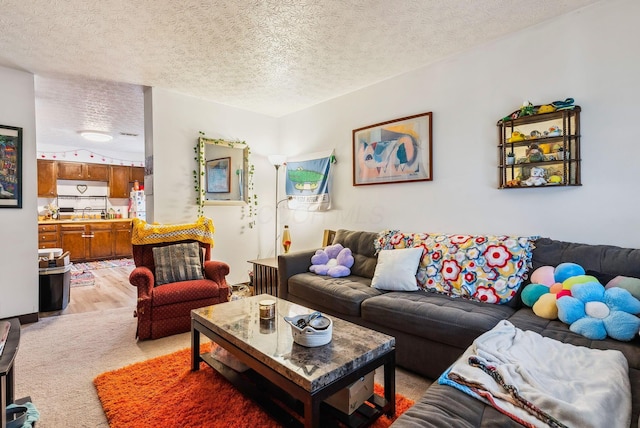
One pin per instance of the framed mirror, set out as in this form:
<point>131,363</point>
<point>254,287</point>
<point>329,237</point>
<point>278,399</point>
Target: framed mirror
<point>224,172</point>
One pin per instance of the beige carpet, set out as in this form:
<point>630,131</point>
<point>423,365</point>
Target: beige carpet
<point>60,356</point>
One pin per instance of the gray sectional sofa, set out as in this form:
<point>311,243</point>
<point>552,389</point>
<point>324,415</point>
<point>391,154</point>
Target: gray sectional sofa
<point>433,330</point>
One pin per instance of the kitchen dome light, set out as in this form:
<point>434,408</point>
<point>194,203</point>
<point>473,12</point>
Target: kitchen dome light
<point>97,136</point>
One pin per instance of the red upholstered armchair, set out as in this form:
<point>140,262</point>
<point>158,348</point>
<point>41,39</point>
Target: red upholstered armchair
<point>166,309</point>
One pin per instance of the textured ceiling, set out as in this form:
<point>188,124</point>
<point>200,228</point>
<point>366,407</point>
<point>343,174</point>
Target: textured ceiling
<point>268,56</point>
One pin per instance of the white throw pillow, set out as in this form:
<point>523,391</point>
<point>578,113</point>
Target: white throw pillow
<point>396,269</point>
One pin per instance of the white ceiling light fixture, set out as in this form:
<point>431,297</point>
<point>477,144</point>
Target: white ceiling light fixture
<point>96,136</point>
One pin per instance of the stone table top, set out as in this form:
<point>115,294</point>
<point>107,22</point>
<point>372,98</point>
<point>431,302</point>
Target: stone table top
<point>271,342</point>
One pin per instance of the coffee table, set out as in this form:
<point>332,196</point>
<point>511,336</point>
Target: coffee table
<point>299,378</point>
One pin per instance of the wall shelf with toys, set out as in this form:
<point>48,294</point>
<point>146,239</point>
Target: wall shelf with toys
<point>540,149</point>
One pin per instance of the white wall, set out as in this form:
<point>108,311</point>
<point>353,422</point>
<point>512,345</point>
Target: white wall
<point>19,227</point>
<point>176,120</point>
<point>590,55</point>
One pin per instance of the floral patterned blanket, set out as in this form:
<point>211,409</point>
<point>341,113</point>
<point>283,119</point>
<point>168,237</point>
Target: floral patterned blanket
<point>484,268</point>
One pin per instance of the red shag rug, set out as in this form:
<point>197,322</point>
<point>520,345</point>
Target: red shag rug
<point>164,392</point>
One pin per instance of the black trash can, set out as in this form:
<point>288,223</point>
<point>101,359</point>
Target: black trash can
<point>54,288</point>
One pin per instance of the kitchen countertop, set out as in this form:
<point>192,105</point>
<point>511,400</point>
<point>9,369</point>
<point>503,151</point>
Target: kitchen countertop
<point>86,220</point>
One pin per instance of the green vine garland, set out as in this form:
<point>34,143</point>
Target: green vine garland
<point>198,175</point>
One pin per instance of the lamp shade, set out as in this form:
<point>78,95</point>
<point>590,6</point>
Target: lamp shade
<point>277,160</point>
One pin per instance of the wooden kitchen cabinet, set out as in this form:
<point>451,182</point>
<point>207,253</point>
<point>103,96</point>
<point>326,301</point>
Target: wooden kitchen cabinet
<point>72,239</point>
<point>83,171</point>
<point>48,236</point>
<point>88,241</point>
<point>136,173</point>
<point>47,178</point>
<point>97,172</point>
<point>100,240</point>
<point>119,181</point>
<point>122,239</point>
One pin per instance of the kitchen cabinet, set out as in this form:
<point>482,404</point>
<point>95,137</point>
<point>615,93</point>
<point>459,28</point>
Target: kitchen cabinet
<point>119,177</point>
<point>47,178</point>
<point>540,150</point>
<point>48,236</point>
<point>137,173</point>
<point>100,240</point>
<point>122,239</point>
<point>90,241</point>
<point>83,171</point>
<point>72,239</point>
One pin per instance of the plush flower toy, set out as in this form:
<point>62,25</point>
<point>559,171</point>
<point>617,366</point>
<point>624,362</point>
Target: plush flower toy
<point>549,284</point>
<point>596,312</point>
<point>334,261</point>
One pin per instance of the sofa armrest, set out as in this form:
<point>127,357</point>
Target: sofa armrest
<point>142,278</point>
<point>217,271</point>
<point>289,265</point>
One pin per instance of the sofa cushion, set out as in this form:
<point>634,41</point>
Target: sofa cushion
<point>484,268</point>
<point>444,406</point>
<point>453,321</point>
<point>185,291</point>
<point>362,248</point>
<point>343,295</point>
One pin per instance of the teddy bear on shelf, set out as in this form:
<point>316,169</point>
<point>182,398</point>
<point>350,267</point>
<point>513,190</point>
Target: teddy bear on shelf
<point>334,261</point>
<point>536,178</point>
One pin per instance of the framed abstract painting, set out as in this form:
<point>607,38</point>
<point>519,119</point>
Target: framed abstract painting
<point>395,151</point>
<point>10,167</point>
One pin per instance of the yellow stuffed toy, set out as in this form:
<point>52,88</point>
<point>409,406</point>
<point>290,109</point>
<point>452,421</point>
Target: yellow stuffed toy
<point>516,136</point>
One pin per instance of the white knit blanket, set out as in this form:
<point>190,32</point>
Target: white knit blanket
<point>575,385</point>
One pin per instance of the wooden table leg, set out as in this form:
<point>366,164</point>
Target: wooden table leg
<point>195,348</point>
<point>311,412</point>
<point>390,384</point>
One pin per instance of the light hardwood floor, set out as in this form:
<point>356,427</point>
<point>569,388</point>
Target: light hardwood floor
<point>112,290</point>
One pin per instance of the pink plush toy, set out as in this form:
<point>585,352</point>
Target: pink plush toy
<point>334,261</point>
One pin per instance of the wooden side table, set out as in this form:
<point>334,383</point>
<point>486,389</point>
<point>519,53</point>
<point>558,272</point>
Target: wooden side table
<point>265,276</point>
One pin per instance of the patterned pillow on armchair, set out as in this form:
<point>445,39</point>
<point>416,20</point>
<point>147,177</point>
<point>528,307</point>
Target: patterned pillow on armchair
<point>179,262</point>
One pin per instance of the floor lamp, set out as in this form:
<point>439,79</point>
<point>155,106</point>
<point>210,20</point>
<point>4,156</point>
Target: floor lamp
<point>277,161</point>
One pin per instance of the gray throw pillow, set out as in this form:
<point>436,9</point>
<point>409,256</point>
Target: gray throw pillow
<point>179,262</point>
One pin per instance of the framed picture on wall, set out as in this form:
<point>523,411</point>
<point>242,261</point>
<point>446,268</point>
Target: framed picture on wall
<point>393,152</point>
<point>219,175</point>
<point>10,167</point>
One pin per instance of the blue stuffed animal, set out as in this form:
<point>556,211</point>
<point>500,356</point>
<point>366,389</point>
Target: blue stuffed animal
<point>596,312</point>
<point>334,261</point>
